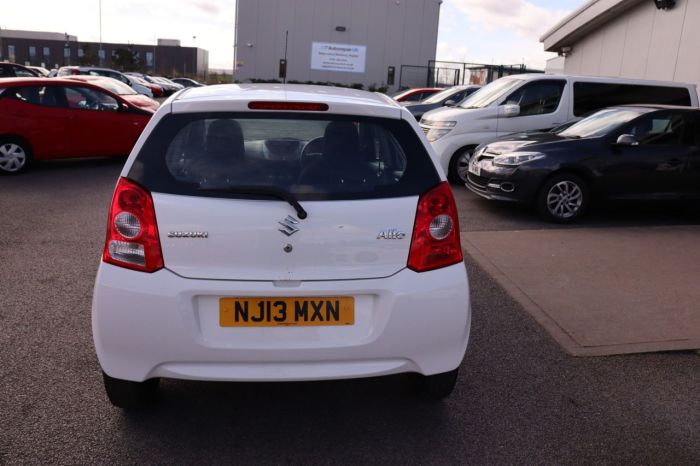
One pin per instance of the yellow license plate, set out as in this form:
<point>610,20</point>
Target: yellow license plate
<point>289,312</point>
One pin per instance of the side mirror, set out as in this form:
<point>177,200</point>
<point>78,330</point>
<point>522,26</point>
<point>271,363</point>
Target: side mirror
<point>510,110</point>
<point>124,107</point>
<point>450,103</point>
<point>627,140</point>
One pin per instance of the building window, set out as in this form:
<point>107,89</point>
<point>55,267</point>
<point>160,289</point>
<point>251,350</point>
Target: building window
<point>149,59</point>
<point>66,52</point>
<point>81,52</point>
<point>32,52</point>
<point>11,53</point>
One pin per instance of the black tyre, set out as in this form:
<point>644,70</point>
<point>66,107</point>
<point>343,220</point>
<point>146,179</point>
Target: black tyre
<point>563,198</point>
<point>129,395</point>
<point>459,165</point>
<point>14,156</point>
<point>436,387</point>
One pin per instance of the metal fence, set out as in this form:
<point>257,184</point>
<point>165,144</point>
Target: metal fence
<point>427,76</point>
<point>448,73</point>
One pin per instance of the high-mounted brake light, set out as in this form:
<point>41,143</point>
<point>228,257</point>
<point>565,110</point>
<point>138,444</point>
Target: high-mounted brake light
<point>132,233</point>
<point>295,106</point>
<point>435,242</point>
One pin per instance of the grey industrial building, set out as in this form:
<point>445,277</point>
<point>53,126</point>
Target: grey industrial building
<point>643,39</point>
<point>341,41</point>
<point>52,50</point>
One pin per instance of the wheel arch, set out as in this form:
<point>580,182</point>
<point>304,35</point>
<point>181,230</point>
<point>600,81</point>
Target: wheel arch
<point>581,172</point>
<point>452,165</point>
<point>16,137</point>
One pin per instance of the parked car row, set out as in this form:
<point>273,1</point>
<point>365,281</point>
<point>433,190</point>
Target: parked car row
<point>150,86</point>
<point>557,142</point>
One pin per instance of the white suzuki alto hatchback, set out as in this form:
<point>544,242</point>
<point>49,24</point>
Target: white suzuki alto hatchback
<point>280,233</point>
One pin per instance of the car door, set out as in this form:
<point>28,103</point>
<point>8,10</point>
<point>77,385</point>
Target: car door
<point>542,107</point>
<point>35,113</point>
<point>691,176</point>
<point>100,124</point>
<point>652,168</point>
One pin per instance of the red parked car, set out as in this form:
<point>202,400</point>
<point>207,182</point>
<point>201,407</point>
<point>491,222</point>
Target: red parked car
<point>42,119</point>
<point>416,94</point>
<point>121,89</point>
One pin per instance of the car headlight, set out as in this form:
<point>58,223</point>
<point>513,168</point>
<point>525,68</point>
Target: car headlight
<point>516,158</point>
<point>438,124</point>
<point>435,134</point>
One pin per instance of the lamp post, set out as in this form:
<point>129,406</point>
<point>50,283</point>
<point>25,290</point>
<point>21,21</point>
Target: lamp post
<point>66,51</point>
<point>194,57</point>
<point>100,53</point>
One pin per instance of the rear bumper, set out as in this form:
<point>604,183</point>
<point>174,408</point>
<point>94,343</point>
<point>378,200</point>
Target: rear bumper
<point>163,325</point>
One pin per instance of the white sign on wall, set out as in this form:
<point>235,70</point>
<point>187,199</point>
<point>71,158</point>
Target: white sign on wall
<point>326,56</point>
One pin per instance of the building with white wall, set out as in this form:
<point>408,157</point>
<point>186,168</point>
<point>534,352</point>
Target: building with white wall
<point>647,39</point>
<point>342,41</point>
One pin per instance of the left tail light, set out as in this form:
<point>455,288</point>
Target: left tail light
<point>132,233</point>
<point>435,242</point>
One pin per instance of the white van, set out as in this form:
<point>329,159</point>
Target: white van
<point>530,102</point>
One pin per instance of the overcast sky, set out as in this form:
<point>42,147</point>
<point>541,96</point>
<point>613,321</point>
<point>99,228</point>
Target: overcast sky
<point>481,31</point>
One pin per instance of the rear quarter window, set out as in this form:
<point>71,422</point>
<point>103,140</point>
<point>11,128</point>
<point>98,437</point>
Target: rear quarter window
<point>314,157</point>
<point>594,96</point>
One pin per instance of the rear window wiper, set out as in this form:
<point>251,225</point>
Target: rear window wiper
<point>261,191</point>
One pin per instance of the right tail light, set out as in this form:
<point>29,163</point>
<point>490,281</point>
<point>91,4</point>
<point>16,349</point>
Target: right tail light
<point>435,242</point>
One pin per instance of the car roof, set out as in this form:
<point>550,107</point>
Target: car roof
<point>235,97</point>
<point>655,107</point>
<point>598,79</point>
<point>91,68</point>
<point>8,82</point>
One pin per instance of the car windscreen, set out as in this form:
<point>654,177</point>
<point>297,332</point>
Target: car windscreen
<point>602,122</point>
<point>440,96</point>
<point>113,85</point>
<point>490,93</point>
<point>310,156</point>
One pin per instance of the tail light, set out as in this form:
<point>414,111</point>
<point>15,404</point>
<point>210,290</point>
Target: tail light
<point>435,241</point>
<point>132,233</point>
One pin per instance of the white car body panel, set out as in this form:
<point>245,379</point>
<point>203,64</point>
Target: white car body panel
<point>162,325</point>
<point>337,241</point>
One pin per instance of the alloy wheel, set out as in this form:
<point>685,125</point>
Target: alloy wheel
<point>12,157</point>
<point>564,199</point>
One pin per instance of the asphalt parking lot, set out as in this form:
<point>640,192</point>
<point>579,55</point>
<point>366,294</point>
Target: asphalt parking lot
<point>520,398</point>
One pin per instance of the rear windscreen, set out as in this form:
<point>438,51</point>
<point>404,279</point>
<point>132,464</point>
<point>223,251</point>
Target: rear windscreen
<point>310,156</point>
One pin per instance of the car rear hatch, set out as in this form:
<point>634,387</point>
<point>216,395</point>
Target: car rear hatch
<point>275,196</point>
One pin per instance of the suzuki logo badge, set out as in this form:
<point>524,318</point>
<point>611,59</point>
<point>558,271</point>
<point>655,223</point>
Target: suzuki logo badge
<point>289,225</point>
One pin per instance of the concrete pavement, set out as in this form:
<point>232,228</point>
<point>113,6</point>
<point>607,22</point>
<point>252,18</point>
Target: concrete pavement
<point>604,290</point>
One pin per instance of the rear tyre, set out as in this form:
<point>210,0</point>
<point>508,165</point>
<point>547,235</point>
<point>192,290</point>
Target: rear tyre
<point>436,387</point>
<point>14,156</point>
<point>126,394</point>
<point>563,198</point>
<point>459,165</point>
